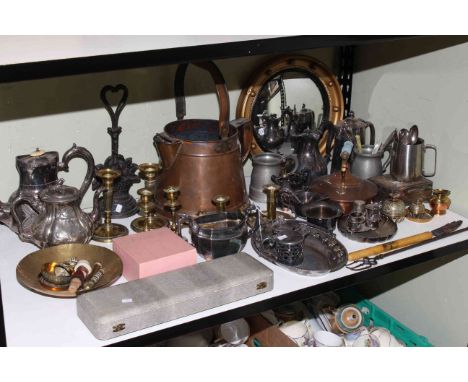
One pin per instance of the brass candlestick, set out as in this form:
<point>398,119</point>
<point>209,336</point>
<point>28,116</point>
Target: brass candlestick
<point>149,172</point>
<point>171,194</point>
<point>271,190</point>
<point>220,201</point>
<point>149,219</point>
<point>107,231</point>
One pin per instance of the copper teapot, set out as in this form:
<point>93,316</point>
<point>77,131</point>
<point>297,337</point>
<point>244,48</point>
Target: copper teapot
<point>37,171</point>
<point>58,219</point>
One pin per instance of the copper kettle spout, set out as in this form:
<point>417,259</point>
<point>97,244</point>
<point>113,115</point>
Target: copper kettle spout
<point>167,148</point>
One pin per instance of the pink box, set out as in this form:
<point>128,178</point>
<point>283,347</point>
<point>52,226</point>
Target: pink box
<point>149,253</point>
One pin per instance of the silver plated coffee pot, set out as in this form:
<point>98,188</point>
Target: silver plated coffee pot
<point>37,171</point>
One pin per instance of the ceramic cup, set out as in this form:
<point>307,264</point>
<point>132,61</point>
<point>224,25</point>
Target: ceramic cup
<point>385,338</point>
<point>235,332</point>
<point>323,338</point>
<point>367,340</point>
<point>296,331</point>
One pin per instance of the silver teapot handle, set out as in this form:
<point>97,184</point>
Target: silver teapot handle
<point>36,206</point>
<point>184,219</point>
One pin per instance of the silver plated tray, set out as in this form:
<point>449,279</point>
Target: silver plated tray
<point>323,253</point>
<point>386,230</point>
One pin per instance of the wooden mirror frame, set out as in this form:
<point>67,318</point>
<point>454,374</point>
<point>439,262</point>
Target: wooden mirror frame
<point>308,65</point>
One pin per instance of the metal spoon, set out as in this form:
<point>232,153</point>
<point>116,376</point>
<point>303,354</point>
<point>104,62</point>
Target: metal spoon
<point>403,137</point>
<point>413,134</point>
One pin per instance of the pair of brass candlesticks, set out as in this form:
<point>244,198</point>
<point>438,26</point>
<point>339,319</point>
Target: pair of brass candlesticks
<point>149,219</point>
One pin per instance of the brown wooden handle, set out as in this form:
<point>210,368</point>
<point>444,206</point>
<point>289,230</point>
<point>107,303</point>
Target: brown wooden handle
<point>221,92</point>
<point>391,245</point>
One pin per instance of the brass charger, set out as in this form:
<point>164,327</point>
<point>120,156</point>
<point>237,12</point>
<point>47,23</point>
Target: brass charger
<point>29,268</point>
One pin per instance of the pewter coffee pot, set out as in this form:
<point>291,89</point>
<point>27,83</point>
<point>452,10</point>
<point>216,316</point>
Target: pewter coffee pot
<point>37,171</point>
<point>269,133</point>
<point>58,218</point>
<point>309,159</point>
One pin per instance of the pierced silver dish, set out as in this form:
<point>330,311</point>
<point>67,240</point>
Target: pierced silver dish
<point>322,252</point>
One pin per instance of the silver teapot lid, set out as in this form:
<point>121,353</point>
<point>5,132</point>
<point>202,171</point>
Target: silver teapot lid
<point>59,193</point>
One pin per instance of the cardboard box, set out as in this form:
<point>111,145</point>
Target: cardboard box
<point>149,253</point>
<point>264,334</point>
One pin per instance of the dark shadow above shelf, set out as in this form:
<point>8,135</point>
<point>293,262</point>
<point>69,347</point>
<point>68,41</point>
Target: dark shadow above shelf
<point>102,63</point>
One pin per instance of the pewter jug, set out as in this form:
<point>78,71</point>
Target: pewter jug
<point>347,130</point>
<point>367,164</point>
<point>58,219</point>
<point>39,170</point>
<point>408,161</point>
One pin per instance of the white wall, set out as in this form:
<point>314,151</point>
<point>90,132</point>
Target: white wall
<point>423,81</point>
<point>54,113</point>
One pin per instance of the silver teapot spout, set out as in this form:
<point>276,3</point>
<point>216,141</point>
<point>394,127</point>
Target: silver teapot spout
<point>94,215</point>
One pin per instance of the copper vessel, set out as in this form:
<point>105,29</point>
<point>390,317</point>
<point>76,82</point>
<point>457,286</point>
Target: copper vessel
<point>201,157</point>
<point>440,201</point>
<point>344,188</point>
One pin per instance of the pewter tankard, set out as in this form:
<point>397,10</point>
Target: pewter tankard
<point>408,161</point>
<point>264,166</point>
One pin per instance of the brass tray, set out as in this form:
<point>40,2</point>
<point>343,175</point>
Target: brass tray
<point>29,267</point>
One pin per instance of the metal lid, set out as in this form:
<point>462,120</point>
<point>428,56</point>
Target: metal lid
<point>37,158</point>
<point>352,188</point>
<point>59,194</point>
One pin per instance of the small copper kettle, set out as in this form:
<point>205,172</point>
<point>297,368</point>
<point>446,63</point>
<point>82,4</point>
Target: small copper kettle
<point>59,218</point>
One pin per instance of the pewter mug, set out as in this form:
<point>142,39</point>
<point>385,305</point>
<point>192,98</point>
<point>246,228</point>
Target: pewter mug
<point>58,218</point>
<point>365,164</point>
<point>264,166</point>
<point>408,161</point>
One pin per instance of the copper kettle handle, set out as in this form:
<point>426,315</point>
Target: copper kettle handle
<point>221,92</point>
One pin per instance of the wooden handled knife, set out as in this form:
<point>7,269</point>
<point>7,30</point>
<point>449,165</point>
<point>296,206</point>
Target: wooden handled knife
<point>445,230</point>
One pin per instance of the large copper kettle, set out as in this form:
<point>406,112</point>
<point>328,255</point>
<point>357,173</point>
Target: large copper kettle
<point>202,157</point>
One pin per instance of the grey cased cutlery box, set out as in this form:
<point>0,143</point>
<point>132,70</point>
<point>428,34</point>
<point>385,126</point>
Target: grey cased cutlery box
<point>128,307</point>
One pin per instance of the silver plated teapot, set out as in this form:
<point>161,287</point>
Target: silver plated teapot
<point>58,218</point>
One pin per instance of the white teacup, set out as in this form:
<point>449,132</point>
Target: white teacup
<point>386,338</point>
<point>297,331</point>
<point>323,338</point>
